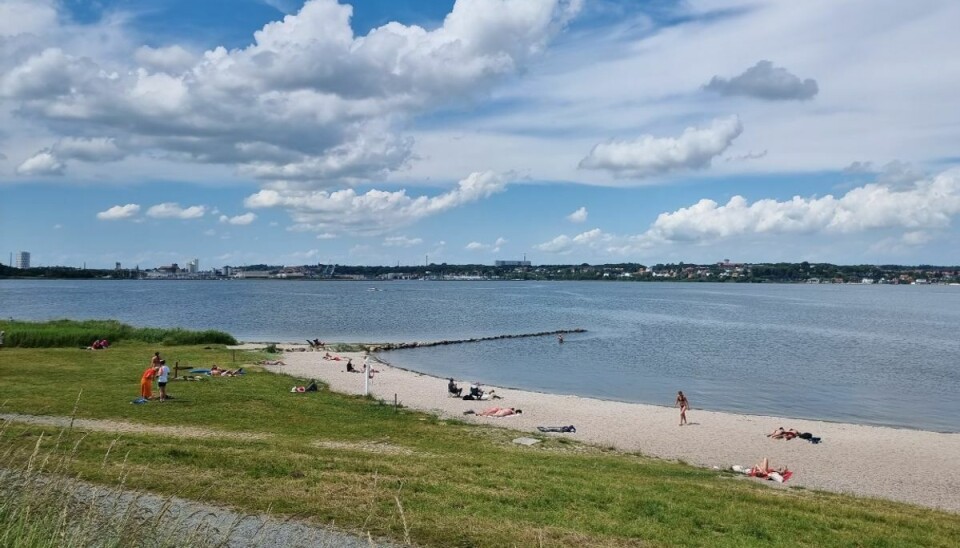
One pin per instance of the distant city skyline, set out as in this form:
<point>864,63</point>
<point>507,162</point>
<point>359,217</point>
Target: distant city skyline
<point>559,131</point>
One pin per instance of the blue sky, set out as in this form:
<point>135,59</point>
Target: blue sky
<point>382,132</point>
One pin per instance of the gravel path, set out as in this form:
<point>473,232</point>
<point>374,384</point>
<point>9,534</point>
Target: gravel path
<point>186,523</point>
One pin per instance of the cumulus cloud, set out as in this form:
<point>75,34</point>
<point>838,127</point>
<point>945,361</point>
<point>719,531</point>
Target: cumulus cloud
<point>42,163</point>
<point>244,219</point>
<point>306,101</point>
<point>926,205</point>
<point>374,211</point>
<point>172,59</point>
<point>172,210</point>
<point>578,216</point>
<point>649,155</point>
<point>119,212</point>
<point>493,248</point>
<point>401,241</point>
<point>326,236</point>
<point>564,244</point>
<point>765,81</point>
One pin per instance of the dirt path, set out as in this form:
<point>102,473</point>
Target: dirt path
<point>121,427</point>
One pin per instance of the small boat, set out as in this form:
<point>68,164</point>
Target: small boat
<point>374,289</point>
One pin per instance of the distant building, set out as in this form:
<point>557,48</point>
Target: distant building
<point>116,266</point>
<point>23,259</point>
<point>193,266</point>
<point>512,263</point>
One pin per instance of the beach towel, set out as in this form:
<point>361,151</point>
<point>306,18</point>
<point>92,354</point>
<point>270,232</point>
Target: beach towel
<point>139,401</point>
<point>564,429</point>
<point>201,371</point>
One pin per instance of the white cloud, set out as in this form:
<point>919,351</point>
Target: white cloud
<point>478,246</point>
<point>306,101</point>
<point>119,212</point>
<point>172,210</point>
<point>57,226</point>
<point>578,216</point>
<point>244,219</point>
<point>374,211</point>
<point>326,236</point>
<point>765,81</point>
<point>42,163</point>
<point>401,241</point>
<point>649,155</point>
<point>172,59</point>
<point>19,17</point>
<point>928,204</point>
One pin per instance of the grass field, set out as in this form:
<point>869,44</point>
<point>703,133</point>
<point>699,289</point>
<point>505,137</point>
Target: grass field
<point>364,466</point>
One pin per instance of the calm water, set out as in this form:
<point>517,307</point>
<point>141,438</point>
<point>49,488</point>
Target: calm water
<point>869,354</point>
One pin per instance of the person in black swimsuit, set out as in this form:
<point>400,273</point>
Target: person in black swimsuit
<point>683,404</point>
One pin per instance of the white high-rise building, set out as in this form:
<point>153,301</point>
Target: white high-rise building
<point>193,266</point>
<point>23,259</point>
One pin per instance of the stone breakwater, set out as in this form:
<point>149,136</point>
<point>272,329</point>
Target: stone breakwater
<point>397,346</point>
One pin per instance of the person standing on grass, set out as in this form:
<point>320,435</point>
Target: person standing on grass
<point>155,360</point>
<point>162,374</point>
<point>683,404</point>
<point>146,382</point>
<point>2,335</point>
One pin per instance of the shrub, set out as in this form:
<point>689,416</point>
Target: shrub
<point>62,333</point>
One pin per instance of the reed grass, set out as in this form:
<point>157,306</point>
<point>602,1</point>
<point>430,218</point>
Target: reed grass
<point>66,333</point>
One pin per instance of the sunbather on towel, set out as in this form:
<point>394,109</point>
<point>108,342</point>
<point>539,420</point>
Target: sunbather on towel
<point>763,469</point>
<point>499,412</point>
<point>271,362</point>
<point>781,434</point>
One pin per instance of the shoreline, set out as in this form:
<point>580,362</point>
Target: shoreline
<point>901,464</point>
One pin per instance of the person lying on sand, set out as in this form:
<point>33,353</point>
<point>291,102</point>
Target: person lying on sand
<point>270,362</point>
<point>499,412</point>
<point>763,469</point>
<point>781,434</point>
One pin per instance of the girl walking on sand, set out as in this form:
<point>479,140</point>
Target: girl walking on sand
<point>683,404</point>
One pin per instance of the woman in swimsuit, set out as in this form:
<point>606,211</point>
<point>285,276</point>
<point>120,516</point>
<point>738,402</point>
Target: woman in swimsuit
<point>683,404</point>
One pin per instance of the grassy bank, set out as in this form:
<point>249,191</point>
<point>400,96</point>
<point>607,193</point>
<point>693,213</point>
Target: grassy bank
<point>367,467</point>
<point>64,333</point>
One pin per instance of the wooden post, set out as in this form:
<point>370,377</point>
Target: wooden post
<point>176,369</point>
<point>395,407</point>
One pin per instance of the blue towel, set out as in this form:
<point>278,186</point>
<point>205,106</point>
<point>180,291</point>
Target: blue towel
<point>204,371</point>
<point>140,400</point>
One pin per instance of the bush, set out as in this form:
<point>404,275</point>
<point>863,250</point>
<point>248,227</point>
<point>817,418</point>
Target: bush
<point>63,333</point>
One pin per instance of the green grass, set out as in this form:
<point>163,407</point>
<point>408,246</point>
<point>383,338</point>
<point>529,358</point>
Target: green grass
<point>61,333</point>
<point>364,466</point>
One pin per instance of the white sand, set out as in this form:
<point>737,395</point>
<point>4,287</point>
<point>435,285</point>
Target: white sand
<point>906,465</point>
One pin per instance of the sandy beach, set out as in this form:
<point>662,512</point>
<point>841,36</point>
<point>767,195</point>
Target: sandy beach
<point>899,464</point>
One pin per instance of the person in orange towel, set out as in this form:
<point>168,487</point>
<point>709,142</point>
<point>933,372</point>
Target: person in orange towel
<point>146,382</point>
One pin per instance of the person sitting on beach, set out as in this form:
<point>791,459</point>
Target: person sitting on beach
<point>499,412</point>
<point>453,389</point>
<point>350,367</point>
<point>317,343</point>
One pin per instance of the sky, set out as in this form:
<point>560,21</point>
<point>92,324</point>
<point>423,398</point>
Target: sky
<point>389,132</point>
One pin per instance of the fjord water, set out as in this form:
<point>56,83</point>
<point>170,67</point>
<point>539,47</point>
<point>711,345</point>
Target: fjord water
<point>865,354</point>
